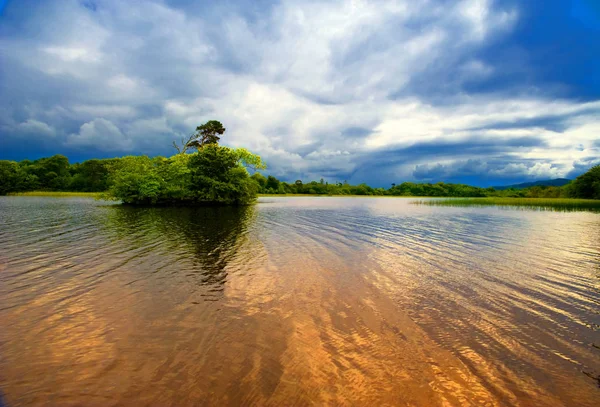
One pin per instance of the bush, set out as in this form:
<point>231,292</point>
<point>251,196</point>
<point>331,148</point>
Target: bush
<point>587,185</point>
<point>218,177</point>
<point>214,175</point>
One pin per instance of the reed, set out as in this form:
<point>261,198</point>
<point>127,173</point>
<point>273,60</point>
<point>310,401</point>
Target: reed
<point>58,194</point>
<point>551,204</point>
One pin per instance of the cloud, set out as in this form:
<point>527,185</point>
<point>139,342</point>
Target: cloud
<point>70,54</point>
<point>582,165</point>
<point>537,170</point>
<point>496,170</point>
<point>457,168</point>
<point>356,132</point>
<point>36,128</point>
<point>374,91</point>
<point>100,132</point>
<point>116,111</point>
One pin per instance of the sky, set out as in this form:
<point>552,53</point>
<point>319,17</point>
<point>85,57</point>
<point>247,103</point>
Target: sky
<point>486,92</point>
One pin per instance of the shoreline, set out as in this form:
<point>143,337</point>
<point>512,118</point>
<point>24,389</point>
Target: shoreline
<point>551,204</point>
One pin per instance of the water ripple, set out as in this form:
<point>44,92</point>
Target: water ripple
<point>302,301</point>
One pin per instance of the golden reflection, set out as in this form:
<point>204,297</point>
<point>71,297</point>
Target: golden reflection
<point>299,305</point>
<point>504,311</point>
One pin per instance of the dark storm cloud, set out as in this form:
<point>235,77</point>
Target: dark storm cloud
<point>444,148</point>
<point>556,123</point>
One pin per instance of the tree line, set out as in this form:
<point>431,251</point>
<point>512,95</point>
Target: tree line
<point>218,174</point>
<point>98,175</point>
<point>586,186</point>
<point>271,185</point>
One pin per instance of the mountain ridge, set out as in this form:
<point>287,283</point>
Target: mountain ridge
<point>556,182</point>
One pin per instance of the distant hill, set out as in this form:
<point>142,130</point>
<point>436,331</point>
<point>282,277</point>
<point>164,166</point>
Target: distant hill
<point>558,182</point>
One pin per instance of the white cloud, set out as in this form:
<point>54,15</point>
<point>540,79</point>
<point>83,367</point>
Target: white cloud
<point>482,20</point>
<point>70,54</point>
<point>37,128</point>
<point>100,133</point>
<point>105,110</point>
<point>123,83</point>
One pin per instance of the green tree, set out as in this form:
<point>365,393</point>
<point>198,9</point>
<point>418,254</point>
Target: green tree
<point>9,177</point>
<point>260,180</point>
<point>249,160</point>
<point>214,175</point>
<point>587,185</point>
<point>90,176</point>
<point>135,180</point>
<point>52,172</point>
<point>208,133</point>
<point>272,183</point>
<point>220,177</point>
<point>175,174</point>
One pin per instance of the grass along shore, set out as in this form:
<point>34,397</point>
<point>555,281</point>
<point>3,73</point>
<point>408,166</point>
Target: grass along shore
<point>58,194</point>
<point>553,204</point>
<point>336,196</point>
<point>98,195</point>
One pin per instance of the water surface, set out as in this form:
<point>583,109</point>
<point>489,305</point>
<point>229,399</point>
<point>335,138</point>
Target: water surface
<point>297,301</point>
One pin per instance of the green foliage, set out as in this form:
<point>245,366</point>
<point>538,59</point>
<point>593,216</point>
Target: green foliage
<point>207,134</point>
<point>439,189</point>
<point>9,176</point>
<point>218,175</point>
<point>586,186</point>
<point>52,173</point>
<point>14,178</point>
<point>260,180</point>
<point>204,135</point>
<point>247,159</point>
<point>214,175</point>
<point>272,184</point>
<point>55,174</point>
<point>135,180</point>
<point>90,176</point>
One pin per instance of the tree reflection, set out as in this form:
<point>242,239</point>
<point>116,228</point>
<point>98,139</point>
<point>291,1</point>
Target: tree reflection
<point>199,241</point>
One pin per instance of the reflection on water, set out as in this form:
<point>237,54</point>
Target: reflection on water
<point>201,243</point>
<point>297,301</point>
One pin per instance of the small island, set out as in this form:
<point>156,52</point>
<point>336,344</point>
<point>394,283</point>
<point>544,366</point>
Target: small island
<point>211,175</point>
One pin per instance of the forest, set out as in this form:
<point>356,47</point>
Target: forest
<point>217,174</point>
<point>56,173</point>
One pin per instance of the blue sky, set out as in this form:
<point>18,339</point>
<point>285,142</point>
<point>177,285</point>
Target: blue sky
<point>479,91</point>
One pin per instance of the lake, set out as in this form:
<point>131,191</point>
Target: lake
<point>297,301</point>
